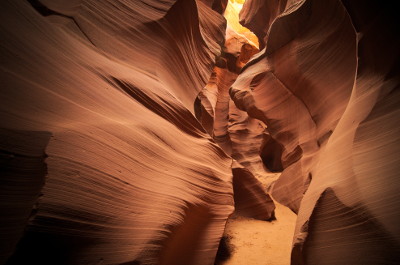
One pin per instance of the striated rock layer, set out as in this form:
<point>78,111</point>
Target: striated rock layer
<point>238,134</point>
<point>102,160</point>
<point>326,86</point>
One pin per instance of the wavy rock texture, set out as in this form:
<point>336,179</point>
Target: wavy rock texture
<point>258,15</point>
<point>102,159</point>
<point>326,86</point>
<point>295,105</point>
<point>238,134</point>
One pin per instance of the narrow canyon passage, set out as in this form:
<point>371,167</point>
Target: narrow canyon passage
<point>250,234</point>
<point>199,132</point>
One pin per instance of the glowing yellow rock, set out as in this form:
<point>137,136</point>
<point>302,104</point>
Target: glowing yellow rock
<point>232,16</point>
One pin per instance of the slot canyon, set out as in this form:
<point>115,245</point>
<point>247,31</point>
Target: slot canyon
<point>180,132</point>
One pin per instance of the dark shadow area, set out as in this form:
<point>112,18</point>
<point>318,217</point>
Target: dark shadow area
<point>197,108</point>
<point>271,153</point>
<point>220,5</point>
<point>60,241</point>
<point>45,11</point>
<point>338,234</point>
<point>46,249</point>
<point>224,250</point>
<point>23,172</point>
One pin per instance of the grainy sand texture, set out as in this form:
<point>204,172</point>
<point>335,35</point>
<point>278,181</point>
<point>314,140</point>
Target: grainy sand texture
<point>261,242</point>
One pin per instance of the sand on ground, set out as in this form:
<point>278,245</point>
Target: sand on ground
<point>255,242</point>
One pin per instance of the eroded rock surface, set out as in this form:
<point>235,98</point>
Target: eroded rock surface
<point>326,87</point>
<point>238,134</point>
<point>103,161</point>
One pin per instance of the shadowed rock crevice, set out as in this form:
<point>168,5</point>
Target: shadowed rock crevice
<point>350,232</point>
<point>224,250</point>
<point>23,173</point>
<point>271,153</point>
<point>45,11</point>
<point>177,115</point>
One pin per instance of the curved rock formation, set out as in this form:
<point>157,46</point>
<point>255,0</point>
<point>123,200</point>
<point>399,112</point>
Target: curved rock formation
<point>238,134</point>
<point>258,15</point>
<point>295,105</point>
<point>103,161</point>
<point>326,87</point>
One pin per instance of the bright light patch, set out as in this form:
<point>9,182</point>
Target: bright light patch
<point>232,16</point>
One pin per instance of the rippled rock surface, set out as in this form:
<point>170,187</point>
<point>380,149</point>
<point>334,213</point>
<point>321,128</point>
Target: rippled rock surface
<point>102,160</point>
<point>327,88</point>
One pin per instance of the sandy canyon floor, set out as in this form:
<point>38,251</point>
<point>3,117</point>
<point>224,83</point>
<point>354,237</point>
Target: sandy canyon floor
<point>259,242</point>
